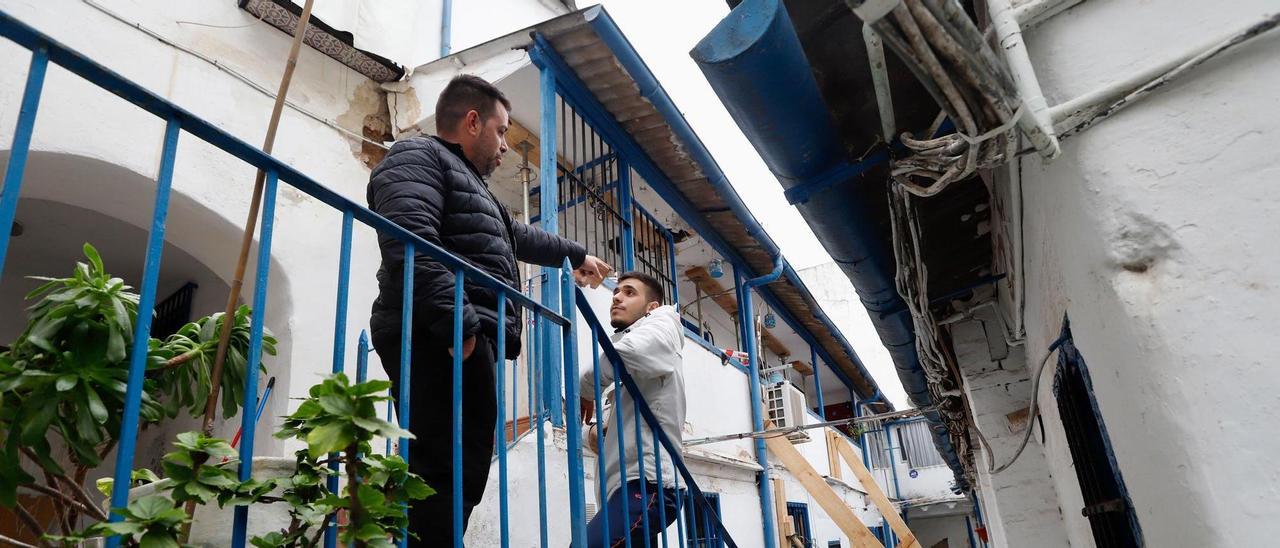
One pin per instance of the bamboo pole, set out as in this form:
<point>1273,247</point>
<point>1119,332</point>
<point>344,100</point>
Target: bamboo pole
<point>246,242</point>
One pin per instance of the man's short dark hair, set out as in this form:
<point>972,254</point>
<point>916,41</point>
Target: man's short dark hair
<point>653,288</point>
<point>466,93</point>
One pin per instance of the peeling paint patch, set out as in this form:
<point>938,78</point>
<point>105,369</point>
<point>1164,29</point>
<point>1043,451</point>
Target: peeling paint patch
<point>369,115</point>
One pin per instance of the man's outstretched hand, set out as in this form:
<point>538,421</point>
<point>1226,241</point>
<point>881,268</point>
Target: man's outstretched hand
<point>468,346</point>
<point>587,407</point>
<point>592,272</point>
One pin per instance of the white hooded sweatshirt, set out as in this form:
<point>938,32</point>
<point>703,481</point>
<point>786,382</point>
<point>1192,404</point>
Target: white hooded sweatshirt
<point>650,350</point>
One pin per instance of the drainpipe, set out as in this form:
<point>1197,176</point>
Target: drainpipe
<point>446,27</point>
<point>757,413</point>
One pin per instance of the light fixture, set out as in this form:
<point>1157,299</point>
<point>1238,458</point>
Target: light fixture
<point>770,321</point>
<point>717,268</point>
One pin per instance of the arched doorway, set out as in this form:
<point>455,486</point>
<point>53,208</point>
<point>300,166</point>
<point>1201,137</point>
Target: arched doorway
<point>68,200</point>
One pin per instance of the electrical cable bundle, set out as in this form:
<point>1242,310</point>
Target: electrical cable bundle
<point>947,53</point>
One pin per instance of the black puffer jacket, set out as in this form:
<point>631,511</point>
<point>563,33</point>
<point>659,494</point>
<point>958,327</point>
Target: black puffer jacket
<point>427,186</point>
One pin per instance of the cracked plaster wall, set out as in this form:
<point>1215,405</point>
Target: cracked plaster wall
<point>1156,232</point>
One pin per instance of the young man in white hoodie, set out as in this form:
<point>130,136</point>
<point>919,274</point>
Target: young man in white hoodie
<point>648,337</point>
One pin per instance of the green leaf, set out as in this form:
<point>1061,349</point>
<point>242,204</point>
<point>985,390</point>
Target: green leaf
<point>150,506</point>
<point>418,489</point>
<point>115,343</point>
<point>38,423</point>
<point>329,438</point>
<point>337,405</point>
<point>94,258</point>
<point>104,486</point>
<point>382,428</point>
<point>370,387</point>
<point>96,408</point>
<point>158,539</point>
<point>66,382</point>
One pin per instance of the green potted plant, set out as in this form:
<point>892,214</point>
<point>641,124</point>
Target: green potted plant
<point>62,387</point>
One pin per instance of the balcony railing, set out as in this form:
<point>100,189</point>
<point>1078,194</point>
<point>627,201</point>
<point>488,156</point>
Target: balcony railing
<point>556,325</point>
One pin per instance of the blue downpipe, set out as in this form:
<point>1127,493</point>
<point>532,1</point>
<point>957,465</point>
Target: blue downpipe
<point>757,413</point>
<point>446,28</point>
<point>550,341</point>
<point>754,61</point>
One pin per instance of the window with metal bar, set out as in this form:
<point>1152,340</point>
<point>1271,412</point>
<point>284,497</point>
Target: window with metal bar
<point>1106,500</point>
<point>917,444</point>
<point>798,512</point>
<point>700,533</point>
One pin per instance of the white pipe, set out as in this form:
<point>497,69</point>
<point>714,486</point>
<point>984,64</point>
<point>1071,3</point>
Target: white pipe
<point>1035,121</point>
<point>880,78</point>
<point>1035,12</point>
<point>1070,113</point>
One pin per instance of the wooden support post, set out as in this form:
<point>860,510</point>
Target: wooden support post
<point>906,539</point>
<point>785,527</point>
<point>833,454</point>
<point>822,493</point>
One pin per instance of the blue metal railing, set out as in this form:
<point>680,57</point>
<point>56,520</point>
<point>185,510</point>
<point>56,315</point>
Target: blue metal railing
<point>178,120</point>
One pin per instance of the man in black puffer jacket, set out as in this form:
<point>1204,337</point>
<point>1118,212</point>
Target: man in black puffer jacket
<point>435,188</point>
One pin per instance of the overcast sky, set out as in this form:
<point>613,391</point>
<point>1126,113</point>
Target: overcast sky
<point>664,31</point>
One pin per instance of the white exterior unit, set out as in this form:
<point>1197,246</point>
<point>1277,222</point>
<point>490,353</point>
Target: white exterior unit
<point>786,405</point>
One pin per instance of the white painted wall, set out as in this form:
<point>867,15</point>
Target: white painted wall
<point>1155,232</point>
<point>933,532</point>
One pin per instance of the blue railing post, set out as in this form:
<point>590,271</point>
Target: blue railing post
<point>573,431</point>
<point>339,351</point>
<point>625,199</point>
<point>241,519</point>
<point>817,381</point>
<point>362,357</point>
<point>501,376</point>
<point>540,325</point>
<point>406,361</point>
<point>142,327</point>
<point>662,500</point>
<point>21,146</point>
<point>621,436</point>
<point>601,472</point>
<point>640,475</point>
<point>548,202</point>
<point>459,283</point>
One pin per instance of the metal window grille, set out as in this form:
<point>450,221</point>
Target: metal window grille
<point>701,533</point>
<point>1106,501</point>
<point>655,252</point>
<point>917,444</point>
<point>876,448</point>
<point>589,187</point>
<point>174,311</point>
<point>799,514</point>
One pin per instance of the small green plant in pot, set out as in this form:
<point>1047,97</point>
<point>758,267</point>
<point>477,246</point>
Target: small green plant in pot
<point>337,417</point>
<point>63,384</point>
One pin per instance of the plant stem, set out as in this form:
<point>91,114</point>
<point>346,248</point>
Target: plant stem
<point>355,512</point>
<point>75,489</point>
<point>60,495</point>
<point>315,540</point>
<point>64,521</point>
<point>16,542</point>
<point>180,359</point>
<point>30,522</point>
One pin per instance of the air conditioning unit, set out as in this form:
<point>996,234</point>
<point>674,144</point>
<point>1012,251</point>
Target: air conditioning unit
<point>785,405</point>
